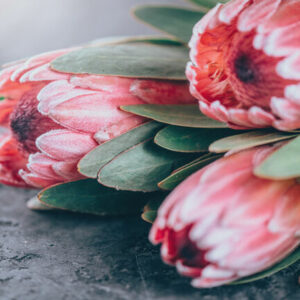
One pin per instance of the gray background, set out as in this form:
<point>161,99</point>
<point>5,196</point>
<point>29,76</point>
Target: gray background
<point>66,256</point>
<point>29,27</point>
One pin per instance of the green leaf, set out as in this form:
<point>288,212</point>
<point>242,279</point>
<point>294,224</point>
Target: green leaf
<point>207,3</point>
<point>153,39</point>
<point>92,162</point>
<point>141,167</point>
<point>149,216</point>
<point>281,164</point>
<point>175,21</point>
<point>150,210</point>
<point>180,115</point>
<point>184,139</point>
<point>182,173</point>
<point>2,98</point>
<point>248,140</point>
<point>286,262</point>
<point>88,196</point>
<point>143,60</point>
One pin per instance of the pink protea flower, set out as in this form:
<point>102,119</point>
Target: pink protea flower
<point>245,67</point>
<point>223,223</point>
<point>50,120</point>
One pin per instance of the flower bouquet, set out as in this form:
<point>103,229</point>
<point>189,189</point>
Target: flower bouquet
<point>114,128</point>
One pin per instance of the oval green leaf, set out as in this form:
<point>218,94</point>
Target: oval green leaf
<point>182,173</point>
<point>153,39</point>
<point>150,210</point>
<point>88,196</point>
<point>142,60</point>
<point>184,139</point>
<point>92,162</point>
<point>281,164</point>
<point>286,262</point>
<point>141,167</point>
<point>175,21</point>
<point>179,115</point>
<point>248,140</point>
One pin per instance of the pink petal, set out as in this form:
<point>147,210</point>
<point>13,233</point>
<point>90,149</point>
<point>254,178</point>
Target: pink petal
<point>37,61</point>
<point>58,92</point>
<point>42,73</point>
<point>288,13</point>
<point>283,41</point>
<point>286,216</point>
<point>65,145</point>
<point>260,117</point>
<point>292,92</point>
<point>90,113</point>
<point>109,84</point>
<point>257,13</point>
<point>35,180</point>
<point>161,92</point>
<point>231,10</point>
<point>66,170</point>
<point>240,117</point>
<point>113,130</point>
<point>289,68</point>
<point>41,165</point>
<point>285,109</point>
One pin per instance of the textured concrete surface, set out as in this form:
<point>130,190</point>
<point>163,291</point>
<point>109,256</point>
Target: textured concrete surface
<point>62,256</point>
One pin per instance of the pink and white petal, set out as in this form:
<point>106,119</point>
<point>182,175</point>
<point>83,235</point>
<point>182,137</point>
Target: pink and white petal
<point>292,92</point>
<point>48,101</point>
<point>289,68</point>
<point>206,109</point>
<point>220,111</point>
<point>90,113</point>
<point>257,250</point>
<point>203,24</point>
<point>67,170</point>
<point>41,165</point>
<point>287,212</point>
<point>109,84</point>
<point>187,270</point>
<point>37,61</point>
<point>285,109</point>
<point>65,145</point>
<point>161,92</point>
<point>257,13</point>
<point>35,180</point>
<point>43,73</point>
<point>286,125</point>
<point>202,282</point>
<point>288,13</point>
<point>254,203</point>
<point>259,117</point>
<point>283,41</point>
<point>231,10</point>
<point>111,131</point>
<point>240,117</point>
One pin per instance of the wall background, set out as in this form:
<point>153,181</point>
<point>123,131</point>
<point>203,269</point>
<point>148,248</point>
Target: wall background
<point>28,27</point>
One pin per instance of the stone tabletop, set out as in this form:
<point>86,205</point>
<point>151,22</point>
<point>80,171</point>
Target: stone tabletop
<point>62,256</point>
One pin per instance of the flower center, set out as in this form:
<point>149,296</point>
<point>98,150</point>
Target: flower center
<point>27,124</point>
<point>244,69</point>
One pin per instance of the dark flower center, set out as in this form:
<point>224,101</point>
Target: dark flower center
<point>27,123</point>
<point>244,69</point>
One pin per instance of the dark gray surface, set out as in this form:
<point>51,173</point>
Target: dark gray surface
<point>58,255</point>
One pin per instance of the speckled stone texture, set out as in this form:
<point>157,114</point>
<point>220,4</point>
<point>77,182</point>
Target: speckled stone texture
<point>62,256</point>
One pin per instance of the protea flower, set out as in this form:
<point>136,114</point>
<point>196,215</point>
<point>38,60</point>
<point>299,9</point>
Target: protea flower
<point>245,67</point>
<point>50,120</point>
<point>224,223</point>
